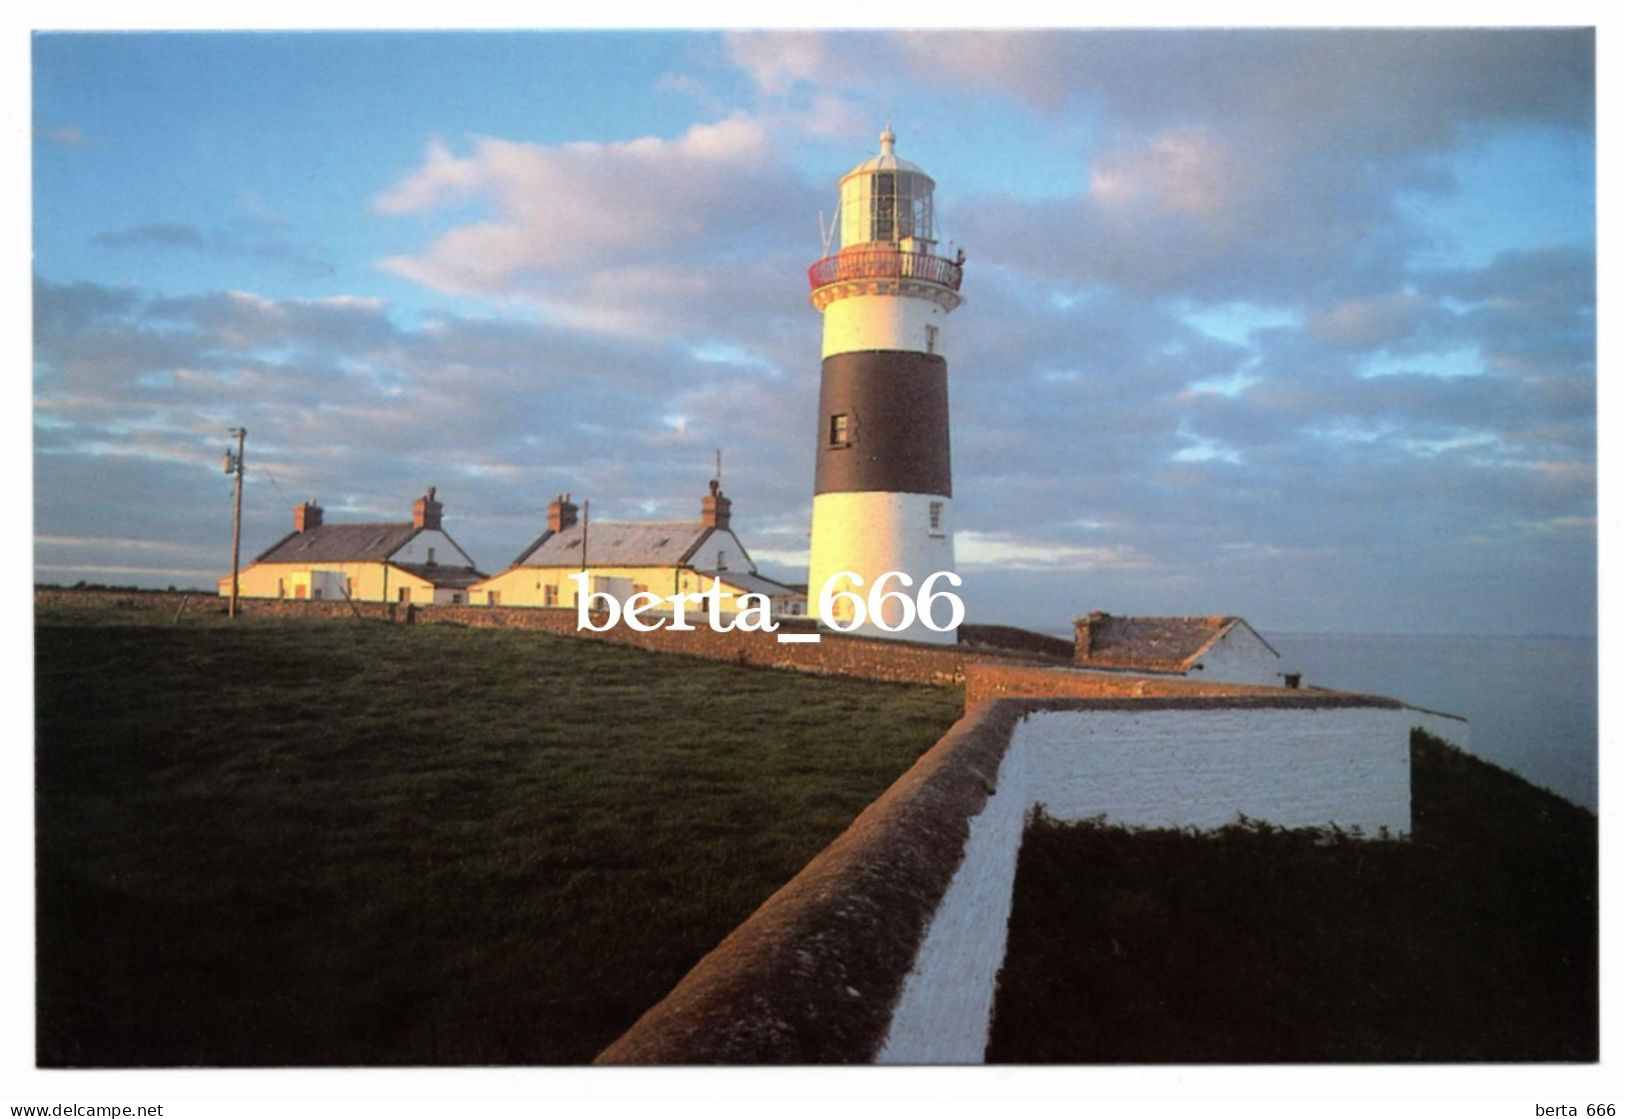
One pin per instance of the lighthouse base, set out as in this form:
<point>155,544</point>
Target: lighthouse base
<point>871,534</point>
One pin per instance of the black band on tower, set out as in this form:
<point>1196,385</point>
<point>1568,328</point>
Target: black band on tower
<point>883,424</point>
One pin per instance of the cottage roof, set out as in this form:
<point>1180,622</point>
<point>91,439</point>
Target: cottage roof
<point>454,578</point>
<point>343,543</point>
<point>619,544</point>
<point>1169,644</point>
<point>750,583</point>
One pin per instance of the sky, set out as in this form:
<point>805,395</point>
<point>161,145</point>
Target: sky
<point>1296,325</point>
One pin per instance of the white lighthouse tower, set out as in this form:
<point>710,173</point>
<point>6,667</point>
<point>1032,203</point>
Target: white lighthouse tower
<point>883,492</point>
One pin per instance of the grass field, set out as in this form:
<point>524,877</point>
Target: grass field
<point>1476,941</point>
<point>340,842</point>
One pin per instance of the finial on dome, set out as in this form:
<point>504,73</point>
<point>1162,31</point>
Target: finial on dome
<point>887,139</point>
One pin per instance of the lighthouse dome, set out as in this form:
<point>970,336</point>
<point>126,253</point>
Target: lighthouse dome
<point>887,160</point>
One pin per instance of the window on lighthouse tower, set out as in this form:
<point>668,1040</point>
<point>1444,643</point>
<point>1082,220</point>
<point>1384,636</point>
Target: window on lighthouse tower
<point>839,430</point>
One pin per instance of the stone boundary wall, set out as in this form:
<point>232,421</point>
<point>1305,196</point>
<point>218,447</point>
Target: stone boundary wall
<point>1008,679</point>
<point>986,673</point>
<point>836,655</point>
<point>886,947</point>
<point>168,603</point>
<point>812,976</point>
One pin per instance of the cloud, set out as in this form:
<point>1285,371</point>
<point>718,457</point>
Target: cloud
<point>185,236</point>
<point>777,60</point>
<point>1394,88</point>
<point>345,403</point>
<point>65,135</point>
<point>1007,551</point>
<point>560,208</point>
<point>1364,324</point>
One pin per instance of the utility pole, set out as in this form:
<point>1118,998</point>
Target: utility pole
<point>586,518</point>
<point>234,465</point>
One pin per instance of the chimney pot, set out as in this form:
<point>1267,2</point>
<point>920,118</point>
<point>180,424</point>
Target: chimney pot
<point>561,513</point>
<point>426,511</point>
<point>1084,642</point>
<point>716,511</point>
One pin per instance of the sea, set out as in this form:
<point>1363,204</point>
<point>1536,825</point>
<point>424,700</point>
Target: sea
<point>1531,701</point>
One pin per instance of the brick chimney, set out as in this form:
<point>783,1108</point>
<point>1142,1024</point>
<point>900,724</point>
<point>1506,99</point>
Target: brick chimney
<point>715,510</point>
<point>561,513</point>
<point>426,511</point>
<point>1084,645</point>
<point>307,516</point>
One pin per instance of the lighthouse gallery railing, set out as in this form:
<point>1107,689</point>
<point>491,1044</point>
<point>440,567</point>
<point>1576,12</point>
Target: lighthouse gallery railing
<point>885,264</point>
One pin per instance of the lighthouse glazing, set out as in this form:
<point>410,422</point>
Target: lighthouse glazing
<point>883,490</point>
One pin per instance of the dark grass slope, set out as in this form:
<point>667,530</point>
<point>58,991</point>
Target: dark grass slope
<point>344,843</point>
<point>1475,941</point>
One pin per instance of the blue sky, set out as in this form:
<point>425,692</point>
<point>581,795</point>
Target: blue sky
<point>1296,325</point>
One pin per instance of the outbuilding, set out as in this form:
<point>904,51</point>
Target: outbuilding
<point>1212,647</point>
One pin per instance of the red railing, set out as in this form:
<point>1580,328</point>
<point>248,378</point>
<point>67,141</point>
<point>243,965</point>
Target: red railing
<point>885,264</point>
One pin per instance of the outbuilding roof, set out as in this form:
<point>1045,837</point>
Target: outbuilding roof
<point>619,544</point>
<point>1165,644</point>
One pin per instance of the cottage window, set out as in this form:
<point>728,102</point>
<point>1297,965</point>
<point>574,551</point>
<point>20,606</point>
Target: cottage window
<point>550,595</point>
<point>403,594</point>
<point>456,599</point>
<point>493,598</point>
<point>431,557</point>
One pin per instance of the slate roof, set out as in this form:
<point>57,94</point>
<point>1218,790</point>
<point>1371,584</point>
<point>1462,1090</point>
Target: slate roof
<point>1168,644</point>
<point>352,543</point>
<point>745,581</point>
<point>454,578</point>
<point>619,544</point>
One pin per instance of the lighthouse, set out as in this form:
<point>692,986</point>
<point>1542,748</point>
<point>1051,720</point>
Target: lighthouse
<point>883,491</point>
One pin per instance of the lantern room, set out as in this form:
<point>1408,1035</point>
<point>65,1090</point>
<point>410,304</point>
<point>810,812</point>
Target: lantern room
<point>888,200</point>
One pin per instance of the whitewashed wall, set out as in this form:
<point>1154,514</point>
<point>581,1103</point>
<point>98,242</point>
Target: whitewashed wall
<point>1182,767</point>
<point>1175,766</point>
<point>943,1014</point>
<point>1239,657</point>
<point>1451,728</point>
